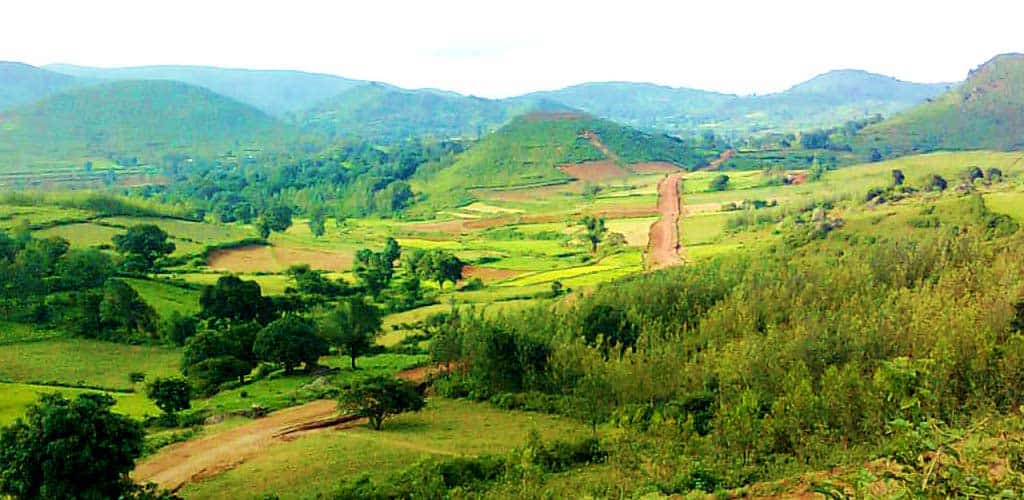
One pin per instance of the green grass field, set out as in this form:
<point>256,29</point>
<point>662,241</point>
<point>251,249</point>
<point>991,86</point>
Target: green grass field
<point>84,362</point>
<point>317,463</point>
<point>16,397</point>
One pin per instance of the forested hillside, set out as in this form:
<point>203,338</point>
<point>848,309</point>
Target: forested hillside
<point>22,84</point>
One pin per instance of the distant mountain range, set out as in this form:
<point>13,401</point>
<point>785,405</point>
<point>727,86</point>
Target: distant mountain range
<point>342,106</point>
<point>985,112</point>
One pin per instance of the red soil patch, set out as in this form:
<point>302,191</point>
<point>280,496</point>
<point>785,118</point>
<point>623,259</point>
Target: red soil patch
<point>796,179</point>
<point>489,274</point>
<point>663,244</point>
<point>654,167</point>
<point>594,170</point>
<point>175,465</point>
<point>722,158</point>
<point>256,258</point>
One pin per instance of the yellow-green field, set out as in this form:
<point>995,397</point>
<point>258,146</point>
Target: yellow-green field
<point>84,362</point>
<point>16,397</point>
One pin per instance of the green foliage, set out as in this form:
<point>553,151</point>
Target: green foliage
<point>352,327</point>
<point>290,341</point>
<point>142,245</point>
<point>234,299</point>
<point>720,183</point>
<point>380,398</point>
<point>69,449</point>
<point>170,394</point>
<point>435,264</point>
<point>594,230</point>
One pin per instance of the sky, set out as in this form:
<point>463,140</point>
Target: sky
<point>499,49</point>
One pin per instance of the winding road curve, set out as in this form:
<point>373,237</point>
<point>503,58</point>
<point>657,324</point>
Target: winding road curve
<point>663,241</point>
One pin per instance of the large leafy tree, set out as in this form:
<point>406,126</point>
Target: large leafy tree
<point>352,327</point>
<point>380,398</point>
<point>435,265</point>
<point>69,449</point>
<point>143,244</point>
<point>170,394</point>
<point>290,341</point>
<point>234,299</point>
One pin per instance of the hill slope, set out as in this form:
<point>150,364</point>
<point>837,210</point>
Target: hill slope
<point>825,100</point>
<point>22,84</point>
<point>384,112</point>
<point>985,112</point>
<point>145,119</point>
<point>528,149</point>
<point>276,92</point>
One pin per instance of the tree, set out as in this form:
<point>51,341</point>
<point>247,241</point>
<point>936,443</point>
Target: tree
<point>897,177</point>
<point>719,183</point>
<point>876,156</point>
<point>290,341</point>
<point>374,270</point>
<point>122,309</point>
<point>317,220</point>
<point>178,328</point>
<point>234,299</point>
<point>594,230</point>
<point>606,326</point>
<point>380,398</point>
<point>69,448</point>
<point>352,327</point>
<point>935,182</point>
<point>170,394</point>
<point>88,268</point>
<point>143,244</point>
<point>278,218</point>
<point>993,174</point>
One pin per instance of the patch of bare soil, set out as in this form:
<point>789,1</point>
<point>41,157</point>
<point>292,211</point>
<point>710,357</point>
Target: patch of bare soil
<point>197,459</point>
<point>489,274</point>
<point>663,243</point>
<point>257,258</point>
<point>594,170</point>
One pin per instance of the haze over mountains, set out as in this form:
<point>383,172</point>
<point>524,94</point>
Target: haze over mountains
<point>342,106</point>
<point>67,113</point>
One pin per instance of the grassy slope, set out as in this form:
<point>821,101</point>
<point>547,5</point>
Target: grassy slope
<point>316,463</point>
<point>985,112</point>
<point>22,84</point>
<point>137,118</point>
<point>84,362</point>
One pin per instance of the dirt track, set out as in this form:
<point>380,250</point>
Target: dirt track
<point>663,242</point>
<point>175,465</point>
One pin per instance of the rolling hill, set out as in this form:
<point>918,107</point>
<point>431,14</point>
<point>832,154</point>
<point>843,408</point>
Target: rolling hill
<point>276,92</point>
<point>388,113</point>
<point>23,84</point>
<point>528,150</point>
<point>826,100</point>
<point>985,112</point>
<point>143,119</point>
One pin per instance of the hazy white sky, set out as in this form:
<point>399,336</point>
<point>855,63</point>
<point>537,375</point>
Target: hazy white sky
<point>497,49</point>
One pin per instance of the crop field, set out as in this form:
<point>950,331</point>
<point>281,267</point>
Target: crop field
<point>166,298</point>
<point>82,234</point>
<point>315,463</point>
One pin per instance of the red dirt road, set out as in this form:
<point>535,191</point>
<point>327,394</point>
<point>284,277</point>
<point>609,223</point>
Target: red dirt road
<point>663,242</point>
<point>197,459</point>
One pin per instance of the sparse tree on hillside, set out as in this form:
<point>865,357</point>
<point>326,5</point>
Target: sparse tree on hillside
<point>436,265</point>
<point>594,230</point>
<point>234,299</point>
<point>317,221</point>
<point>719,183</point>
<point>380,398</point>
<point>352,327</point>
<point>897,177</point>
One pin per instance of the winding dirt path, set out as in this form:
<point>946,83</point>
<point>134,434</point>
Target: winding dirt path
<point>663,241</point>
<point>197,459</point>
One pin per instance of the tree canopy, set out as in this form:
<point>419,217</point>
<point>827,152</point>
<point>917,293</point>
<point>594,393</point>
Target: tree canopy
<point>380,398</point>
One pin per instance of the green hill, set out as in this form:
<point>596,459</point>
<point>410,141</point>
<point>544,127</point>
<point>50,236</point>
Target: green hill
<point>826,100</point>
<point>22,84</point>
<point>985,112</point>
<point>141,119</point>
<point>527,150</point>
<point>386,113</point>
<point>276,92</point>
